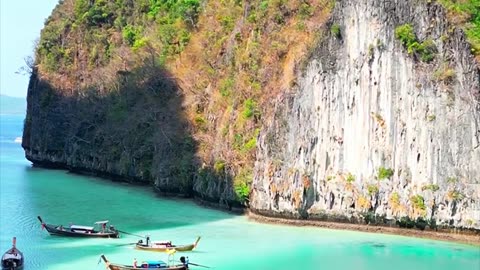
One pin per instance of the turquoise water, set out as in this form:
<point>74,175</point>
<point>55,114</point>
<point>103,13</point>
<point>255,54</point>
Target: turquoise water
<point>228,241</point>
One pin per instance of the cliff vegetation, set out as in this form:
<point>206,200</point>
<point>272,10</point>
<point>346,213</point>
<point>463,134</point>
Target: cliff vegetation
<point>222,60</point>
<point>298,108</point>
<point>466,14</point>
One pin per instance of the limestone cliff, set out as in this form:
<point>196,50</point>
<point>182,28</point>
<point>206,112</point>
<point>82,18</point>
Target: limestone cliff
<point>354,111</point>
<point>370,130</point>
<point>165,93</point>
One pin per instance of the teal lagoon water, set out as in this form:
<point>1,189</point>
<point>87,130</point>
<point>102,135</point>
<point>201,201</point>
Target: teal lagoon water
<point>228,241</point>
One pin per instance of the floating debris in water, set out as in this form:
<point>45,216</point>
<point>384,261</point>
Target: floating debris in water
<point>374,244</point>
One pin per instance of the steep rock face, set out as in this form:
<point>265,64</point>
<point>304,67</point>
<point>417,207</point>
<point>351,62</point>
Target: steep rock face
<point>98,103</point>
<point>362,106</point>
<point>133,134</point>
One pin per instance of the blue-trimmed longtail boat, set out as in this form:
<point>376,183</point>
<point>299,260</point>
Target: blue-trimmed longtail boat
<point>157,264</point>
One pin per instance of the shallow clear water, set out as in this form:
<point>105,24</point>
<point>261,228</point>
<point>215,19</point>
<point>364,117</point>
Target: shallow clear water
<point>228,241</point>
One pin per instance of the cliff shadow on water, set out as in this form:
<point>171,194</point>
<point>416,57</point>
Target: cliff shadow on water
<point>131,129</point>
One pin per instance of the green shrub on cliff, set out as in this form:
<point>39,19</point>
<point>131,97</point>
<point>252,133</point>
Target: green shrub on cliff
<point>384,173</point>
<point>306,10</point>
<point>241,185</point>
<point>372,189</point>
<point>100,13</point>
<point>455,195</point>
<point>168,11</point>
<point>226,86</point>
<point>405,34</point>
<point>369,217</point>
<point>131,34</point>
<point>451,180</point>
<point>432,187</point>
<point>250,144</point>
<point>405,222</point>
<point>219,166</point>
<point>95,23</point>
<point>424,50</point>
<point>420,223</point>
<point>350,178</point>
<point>250,108</point>
<point>242,190</point>
<point>418,202</point>
<point>466,14</point>
<point>395,199</point>
<point>335,30</point>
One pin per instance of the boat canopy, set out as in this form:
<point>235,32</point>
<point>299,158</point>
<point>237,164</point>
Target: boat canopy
<point>78,227</point>
<point>158,264</point>
<point>7,256</point>
<point>13,253</point>
<point>102,222</point>
<point>161,242</point>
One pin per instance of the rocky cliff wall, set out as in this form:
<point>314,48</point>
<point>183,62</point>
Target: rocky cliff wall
<point>372,130</point>
<point>168,94</point>
<point>369,129</point>
<point>135,132</point>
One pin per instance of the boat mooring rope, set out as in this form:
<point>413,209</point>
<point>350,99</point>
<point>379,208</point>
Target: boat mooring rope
<point>131,234</point>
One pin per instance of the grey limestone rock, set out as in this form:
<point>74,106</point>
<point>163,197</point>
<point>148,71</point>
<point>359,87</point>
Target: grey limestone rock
<point>363,104</point>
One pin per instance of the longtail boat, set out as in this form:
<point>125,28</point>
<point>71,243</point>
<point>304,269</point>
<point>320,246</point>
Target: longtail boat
<point>82,231</point>
<point>163,246</point>
<point>144,265</point>
<point>13,258</point>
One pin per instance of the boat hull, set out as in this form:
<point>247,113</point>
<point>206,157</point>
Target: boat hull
<point>13,258</point>
<point>164,249</point>
<point>116,266</point>
<point>52,229</point>
<point>12,264</point>
<point>14,268</point>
